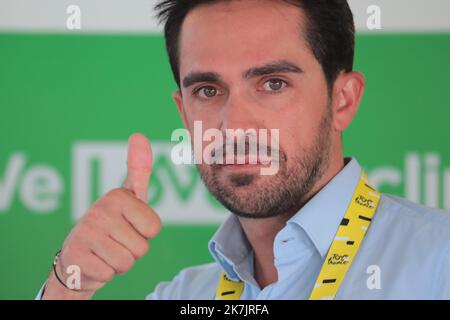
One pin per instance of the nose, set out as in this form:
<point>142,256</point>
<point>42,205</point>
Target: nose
<point>239,112</point>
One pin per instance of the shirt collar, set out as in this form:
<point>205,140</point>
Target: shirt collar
<point>230,248</point>
<point>319,218</point>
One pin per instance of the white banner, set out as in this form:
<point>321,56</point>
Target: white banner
<point>137,16</point>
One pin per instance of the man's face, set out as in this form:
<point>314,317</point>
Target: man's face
<point>246,65</point>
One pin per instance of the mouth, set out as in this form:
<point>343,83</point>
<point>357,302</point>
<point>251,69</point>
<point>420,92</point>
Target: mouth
<point>247,159</point>
<point>240,167</point>
<point>248,163</point>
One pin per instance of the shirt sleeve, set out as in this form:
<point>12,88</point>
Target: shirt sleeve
<point>194,283</point>
<point>443,279</point>
<point>166,290</point>
<point>41,292</point>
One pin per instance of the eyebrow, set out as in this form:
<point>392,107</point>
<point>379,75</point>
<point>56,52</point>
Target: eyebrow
<point>269,68</point>
<point>195,77</point>
<point>272,67</point>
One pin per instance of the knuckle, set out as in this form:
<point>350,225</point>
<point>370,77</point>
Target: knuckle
<point>125,264</point>
<point>118,193</point>
<point>147,232</point>
<point>154,226</point>
<point>141,249</point>
<point>158,224</point>
<point>86,229</point>
<point>95,213</point>
<point>99,218</point>
<point>106,275</point>
<point>151,223</point>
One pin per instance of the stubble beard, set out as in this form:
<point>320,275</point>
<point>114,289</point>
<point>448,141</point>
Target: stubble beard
<point>257,197</point>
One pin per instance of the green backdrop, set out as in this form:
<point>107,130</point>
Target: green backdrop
<point>60,90</point>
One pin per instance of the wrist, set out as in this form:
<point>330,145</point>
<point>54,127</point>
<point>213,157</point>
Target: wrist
<point>54,290</point>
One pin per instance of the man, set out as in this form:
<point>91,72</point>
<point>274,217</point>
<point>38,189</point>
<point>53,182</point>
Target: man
<point>316,228</point>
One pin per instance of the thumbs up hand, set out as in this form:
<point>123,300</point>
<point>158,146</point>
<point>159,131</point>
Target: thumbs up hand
<point>139,165</point>
<point>113,234</point>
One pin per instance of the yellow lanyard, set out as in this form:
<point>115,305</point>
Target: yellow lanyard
<point>342,251</point>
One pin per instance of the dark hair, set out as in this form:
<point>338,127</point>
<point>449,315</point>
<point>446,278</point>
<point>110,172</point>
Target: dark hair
<point>330,32</point>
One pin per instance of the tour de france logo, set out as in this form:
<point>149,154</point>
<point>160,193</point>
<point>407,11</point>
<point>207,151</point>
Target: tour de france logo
<point>363,201</point>
<point>341,259</point>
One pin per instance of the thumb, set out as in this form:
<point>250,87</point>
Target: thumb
<point>139,166</point>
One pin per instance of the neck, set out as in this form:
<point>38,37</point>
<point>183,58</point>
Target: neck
<point>261,233</point>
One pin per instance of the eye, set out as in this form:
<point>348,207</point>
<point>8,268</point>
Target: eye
<point>206,92</point>
<point>274,85</point>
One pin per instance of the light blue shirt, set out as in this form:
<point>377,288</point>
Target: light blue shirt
<point>405,254</point>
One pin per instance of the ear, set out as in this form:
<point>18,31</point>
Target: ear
<point>348,90</point>
<point>177,97</point>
